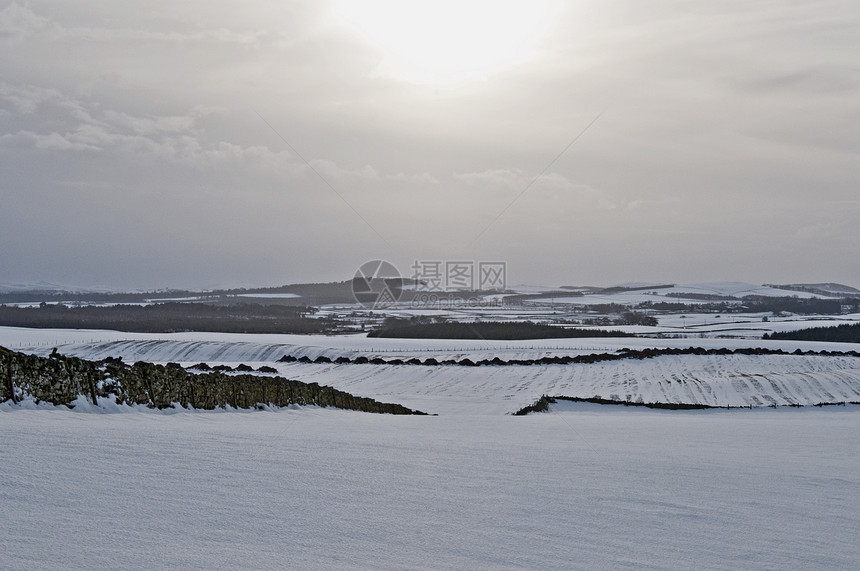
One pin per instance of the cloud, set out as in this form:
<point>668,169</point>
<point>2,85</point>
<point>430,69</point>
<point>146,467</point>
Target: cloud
<point>151,125</point>
<point>49,141</point>
<point>731,124</point>
<point>89,127</point>
<point>18,23</point>
<point>28,98</point>
<point>423,179</point>
<point>180,140</point>
<point>508,180</point>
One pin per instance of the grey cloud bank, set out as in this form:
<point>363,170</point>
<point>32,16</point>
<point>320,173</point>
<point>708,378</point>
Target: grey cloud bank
<point>132,155</point>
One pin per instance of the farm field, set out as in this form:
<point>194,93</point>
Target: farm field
<point>581,486</point>
<point>715,380</point>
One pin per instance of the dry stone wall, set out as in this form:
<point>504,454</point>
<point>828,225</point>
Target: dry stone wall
<point>58,379</point>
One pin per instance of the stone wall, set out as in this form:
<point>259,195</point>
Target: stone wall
<point>58,379</point>
<point>621,354</point>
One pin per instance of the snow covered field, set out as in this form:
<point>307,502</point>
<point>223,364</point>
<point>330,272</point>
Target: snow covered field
<point>584,487</point>
<point>716,380</point>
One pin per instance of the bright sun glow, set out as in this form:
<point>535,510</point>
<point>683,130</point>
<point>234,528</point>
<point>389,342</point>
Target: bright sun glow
<point>442,41</point>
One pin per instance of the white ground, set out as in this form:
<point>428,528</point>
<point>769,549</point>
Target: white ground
<point>581,487</point>
<point>726,289</point>
<point>689,323</point>
<point>717,380</point>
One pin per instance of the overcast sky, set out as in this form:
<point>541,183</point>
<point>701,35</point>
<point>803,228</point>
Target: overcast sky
<point>205,143</point>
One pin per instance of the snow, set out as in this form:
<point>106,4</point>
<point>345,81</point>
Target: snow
<point>535,289</point>
<point>179,299</point>
<point>234,347</point>
<point>749,325</point>
<point>621,298</point>
<point>581,488</point>
<point>716,380</point>
<point>640,285</point>
<point>269,295</point>
<point>830,287</point>
<point>38,286</point>
<point>662,294</point>
<point>739,289</point>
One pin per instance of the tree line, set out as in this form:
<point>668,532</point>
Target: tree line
<point>845,333</point>
<point>503,330</point>
<point>171,317</point>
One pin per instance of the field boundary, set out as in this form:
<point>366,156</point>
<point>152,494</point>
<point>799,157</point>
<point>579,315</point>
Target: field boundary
<point>621,354</point>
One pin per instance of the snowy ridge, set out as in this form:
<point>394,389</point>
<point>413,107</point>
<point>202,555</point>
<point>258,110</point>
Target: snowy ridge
<point>739,289</point>
<point>641,293</point>
<point>161,350</point>
<point>230,348</point>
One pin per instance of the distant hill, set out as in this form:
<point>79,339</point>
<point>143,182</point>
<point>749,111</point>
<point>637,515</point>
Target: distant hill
<point>317,294</point>
<point>302,295</point>
<point>43,287</point>
<point>829,289</point>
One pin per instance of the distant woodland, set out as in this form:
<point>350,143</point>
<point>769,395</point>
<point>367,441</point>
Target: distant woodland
<point>170,318</point>
<point>846,333</point>
<point>403,329</point>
